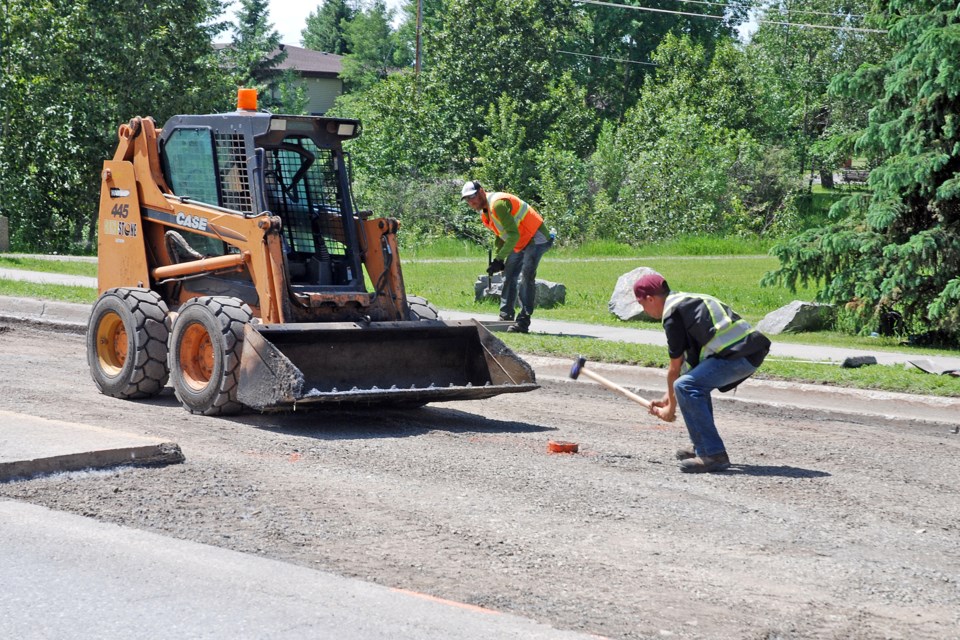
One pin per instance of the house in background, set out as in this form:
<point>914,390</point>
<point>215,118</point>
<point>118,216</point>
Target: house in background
<point>318,73</point>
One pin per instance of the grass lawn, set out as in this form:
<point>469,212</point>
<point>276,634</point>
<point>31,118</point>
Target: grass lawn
<point>885,378</point>
<point>590,282</point>
<point>63,293</point>
<point>50,266</point>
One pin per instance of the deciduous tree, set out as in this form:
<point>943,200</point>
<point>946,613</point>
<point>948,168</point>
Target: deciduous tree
<point>797,64</point>
<point>372,46</point>
<point>72,71</point>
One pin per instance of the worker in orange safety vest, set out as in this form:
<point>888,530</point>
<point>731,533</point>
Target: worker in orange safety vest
<point>521,240</point>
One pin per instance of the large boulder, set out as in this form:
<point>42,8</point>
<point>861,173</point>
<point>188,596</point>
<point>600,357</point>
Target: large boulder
<point>623,303</point>
<point>549,294</point>
<point>797,316</point>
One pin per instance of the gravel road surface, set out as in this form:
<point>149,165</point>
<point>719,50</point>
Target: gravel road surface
<point>823,528</point>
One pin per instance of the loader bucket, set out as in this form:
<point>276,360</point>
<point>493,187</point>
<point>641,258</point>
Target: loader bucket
<point>401,363</point>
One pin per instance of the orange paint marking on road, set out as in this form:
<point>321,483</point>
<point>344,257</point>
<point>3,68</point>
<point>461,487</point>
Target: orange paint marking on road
<point>452,603</point>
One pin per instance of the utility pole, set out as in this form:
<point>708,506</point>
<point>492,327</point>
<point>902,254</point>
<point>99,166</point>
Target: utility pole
<point>419,26</point>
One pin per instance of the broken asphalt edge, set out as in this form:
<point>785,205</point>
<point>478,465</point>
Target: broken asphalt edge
<point>152,455</point>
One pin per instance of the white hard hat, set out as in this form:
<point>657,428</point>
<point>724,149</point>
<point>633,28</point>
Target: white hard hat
<point>470,189</point>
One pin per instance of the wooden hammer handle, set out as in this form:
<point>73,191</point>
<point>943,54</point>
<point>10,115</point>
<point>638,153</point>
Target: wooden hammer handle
<point>613,386</point>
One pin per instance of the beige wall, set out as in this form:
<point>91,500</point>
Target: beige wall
<point>321,92</point>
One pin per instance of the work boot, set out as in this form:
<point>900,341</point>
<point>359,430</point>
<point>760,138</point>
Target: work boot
<point>684,453</point>
<point>706,464</point>
<point>518,328</point>
<point>506,317</point>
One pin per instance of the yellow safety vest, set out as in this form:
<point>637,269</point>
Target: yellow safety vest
<point>726,331</point>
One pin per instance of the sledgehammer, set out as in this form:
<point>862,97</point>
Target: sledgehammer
<point>578,368</point>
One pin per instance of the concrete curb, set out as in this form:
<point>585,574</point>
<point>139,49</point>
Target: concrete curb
<point>63,316</point>
<point>31,446</point>
<point>148,456</point>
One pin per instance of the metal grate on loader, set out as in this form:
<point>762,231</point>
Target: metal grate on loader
<point>302,188</point>
<point>232,162</point>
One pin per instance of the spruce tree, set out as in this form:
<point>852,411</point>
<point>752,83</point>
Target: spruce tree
<point>896,247</point>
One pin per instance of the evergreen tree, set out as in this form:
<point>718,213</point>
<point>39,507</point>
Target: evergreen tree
<point>254,53</point>
<point>897,248</point>
<point>325,27</point>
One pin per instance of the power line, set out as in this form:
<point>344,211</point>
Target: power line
<point>587,55</point>
<point>705,15</point>
<point>816,13</point>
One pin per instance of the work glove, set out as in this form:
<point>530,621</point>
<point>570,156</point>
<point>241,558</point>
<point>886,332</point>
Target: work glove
<point>495,267</point>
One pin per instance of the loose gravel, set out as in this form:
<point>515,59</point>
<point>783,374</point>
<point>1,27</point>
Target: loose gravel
<point>823,528</point>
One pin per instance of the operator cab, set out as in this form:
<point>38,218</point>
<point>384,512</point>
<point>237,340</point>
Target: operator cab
<point>292,167</point>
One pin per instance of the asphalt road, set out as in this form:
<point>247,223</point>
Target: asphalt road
<point>839,525</point>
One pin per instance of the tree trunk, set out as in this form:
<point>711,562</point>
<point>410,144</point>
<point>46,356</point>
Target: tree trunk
<point>826,178</point>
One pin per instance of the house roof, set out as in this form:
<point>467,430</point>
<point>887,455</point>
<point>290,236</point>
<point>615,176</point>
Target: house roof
<point>311,63</point>
<point>306,62</point>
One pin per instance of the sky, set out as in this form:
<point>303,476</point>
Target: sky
<point>290,16</point>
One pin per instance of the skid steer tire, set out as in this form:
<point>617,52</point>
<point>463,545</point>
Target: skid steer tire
<point>205,348</point>
<point>421,309</point>
<point>127,343</point>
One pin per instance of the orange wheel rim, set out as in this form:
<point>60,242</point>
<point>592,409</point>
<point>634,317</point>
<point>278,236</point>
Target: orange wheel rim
<point>111,343</point>
<point>196,356</point>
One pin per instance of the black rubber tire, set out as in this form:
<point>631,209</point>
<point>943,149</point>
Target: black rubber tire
<point>421,309</point>
<point>205,348</point>
<point>127,343</point>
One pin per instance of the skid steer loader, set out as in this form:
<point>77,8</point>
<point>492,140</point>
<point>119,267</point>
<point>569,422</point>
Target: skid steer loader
<point>233,263</point>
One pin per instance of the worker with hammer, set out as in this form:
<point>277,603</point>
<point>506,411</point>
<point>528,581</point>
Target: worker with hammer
<point>710,347</point>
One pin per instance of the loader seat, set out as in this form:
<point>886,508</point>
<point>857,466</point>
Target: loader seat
<point>178,249</point>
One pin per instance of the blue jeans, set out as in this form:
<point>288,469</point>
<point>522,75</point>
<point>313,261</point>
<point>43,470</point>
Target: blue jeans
<point>693,397</point>
<point>522,264</point>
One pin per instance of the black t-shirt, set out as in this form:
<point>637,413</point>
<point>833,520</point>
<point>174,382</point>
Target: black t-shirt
<point>690,326</point>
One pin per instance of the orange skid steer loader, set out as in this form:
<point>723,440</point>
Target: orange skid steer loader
<point>232,262</point>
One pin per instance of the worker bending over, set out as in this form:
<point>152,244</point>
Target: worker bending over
<point>710,347</point>
<point>521,240</point>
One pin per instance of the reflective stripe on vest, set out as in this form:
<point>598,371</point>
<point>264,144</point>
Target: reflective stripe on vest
<point>527,219</point>
<point>727,331</point>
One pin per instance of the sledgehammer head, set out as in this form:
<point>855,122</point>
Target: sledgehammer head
<point>577,367</point>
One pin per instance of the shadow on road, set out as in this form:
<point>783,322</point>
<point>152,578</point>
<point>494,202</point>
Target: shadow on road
<point>361,423</point>
<point>330,422</point>
<point>779,471</point>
